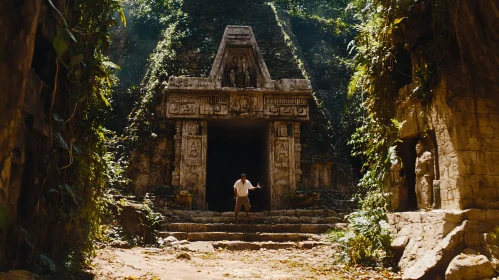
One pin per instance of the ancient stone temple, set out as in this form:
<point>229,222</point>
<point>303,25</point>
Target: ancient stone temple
<point>237,120</point>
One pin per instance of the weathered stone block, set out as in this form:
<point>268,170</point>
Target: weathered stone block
<point>480,203</point>
<point>454,216</point>
<point>462,104</point>
<point>306,213</point>
<point>487,194</point>
<point>493,215</point>
<point>476,214</point>
<point>494,204</point>
<point>486,132</point>
<point>491,145</point>
<point>469,267</point>
<point>474,144</point>
<point>430,258</point>
<point>476,169</point>
<point>494,116</point>
<point>290,213</point>
<point>469,157</point>
<point>482,105</point>
<point>471,234</point>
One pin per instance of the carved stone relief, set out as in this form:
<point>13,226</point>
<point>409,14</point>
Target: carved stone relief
<point>297,151</point>
<point>425,174</point>
<point>178,151</point>
<point>193,160</point>
<point>219,106</point>
<point>282,153</point>
<point>193,153</point>
<point>241,103</point>
<point>282,130</point>
<point>239,71</point>
<point>286,106</point>
<point>285,160</point>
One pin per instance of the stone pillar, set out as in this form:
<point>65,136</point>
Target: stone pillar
<point>193,160</point>
<point>178,152</point>
<point>283,162</point>
<point>297,135</point>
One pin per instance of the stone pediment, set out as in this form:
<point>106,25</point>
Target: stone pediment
<point>239,86</point>
<point>239,65</point>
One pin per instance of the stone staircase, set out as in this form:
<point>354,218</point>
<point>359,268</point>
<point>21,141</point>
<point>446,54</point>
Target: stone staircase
<point>261,230</point>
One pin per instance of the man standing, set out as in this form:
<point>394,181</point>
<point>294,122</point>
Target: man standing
<point>241,188</point>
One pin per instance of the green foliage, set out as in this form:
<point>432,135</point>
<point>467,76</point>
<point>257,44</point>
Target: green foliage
<point>367,239</point>
<point>329,10</point>
<point>58,233</point>
<point>150,225</point>
<point>156,12</point>
<point>495,236</point>
<point>426,83</point>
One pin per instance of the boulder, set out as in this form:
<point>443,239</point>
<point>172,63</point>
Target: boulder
<point>469,267</point>
<point>131,218</point>
<point>183,255</point>
<point>119,244</point>
<point>170,239</point>
<point>438,257</point>
<point>200,247</point>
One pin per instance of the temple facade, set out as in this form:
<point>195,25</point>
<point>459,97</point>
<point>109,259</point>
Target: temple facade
<point>239,104</point>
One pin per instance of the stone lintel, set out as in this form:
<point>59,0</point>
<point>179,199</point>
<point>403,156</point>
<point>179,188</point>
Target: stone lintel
<point>236,105</point>
<point>196,84</point>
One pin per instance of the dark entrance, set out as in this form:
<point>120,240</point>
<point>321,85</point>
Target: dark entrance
<point>407,152</point>
<point>236,147</point>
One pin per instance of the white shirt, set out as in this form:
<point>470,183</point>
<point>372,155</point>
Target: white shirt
<point>242,189</point>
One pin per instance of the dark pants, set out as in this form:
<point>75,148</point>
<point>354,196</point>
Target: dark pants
<point>240,201</point>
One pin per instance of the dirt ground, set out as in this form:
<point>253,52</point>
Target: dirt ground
<point>168,264</point>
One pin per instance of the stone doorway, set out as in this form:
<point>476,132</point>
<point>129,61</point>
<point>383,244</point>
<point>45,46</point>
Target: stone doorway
<point>235,147</point>
<point>405,176</point>
<point>270,110</point>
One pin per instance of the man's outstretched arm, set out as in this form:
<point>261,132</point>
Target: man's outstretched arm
<point>251,188</point>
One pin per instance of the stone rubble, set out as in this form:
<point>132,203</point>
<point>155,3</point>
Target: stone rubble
<point>469,267</point>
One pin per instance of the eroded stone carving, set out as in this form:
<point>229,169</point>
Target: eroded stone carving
<point>297,135</point>
<point>193,153</point>
<point>425,173</point>
<point>282,130</point>
<point>239,72</point>
<point>178,150</point>
<point>399,187</point>
<point>286,106</point>
<point>282,153</point>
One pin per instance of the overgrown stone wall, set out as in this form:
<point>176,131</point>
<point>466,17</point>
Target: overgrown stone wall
<point>451,104</point>
<point>460,123</point>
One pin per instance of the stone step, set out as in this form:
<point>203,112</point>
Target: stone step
<point>253,228</point>
<point>257,219</point>
<point>274,213</point>
<point>240,236</point>
<point>242,245</point>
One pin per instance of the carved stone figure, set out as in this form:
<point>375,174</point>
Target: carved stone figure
<point>399,186</point>
<point>425,173</point>
<point>436,194</point>
<point>247,78</point>
<point>184,200</point>
<point>233,78</point>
